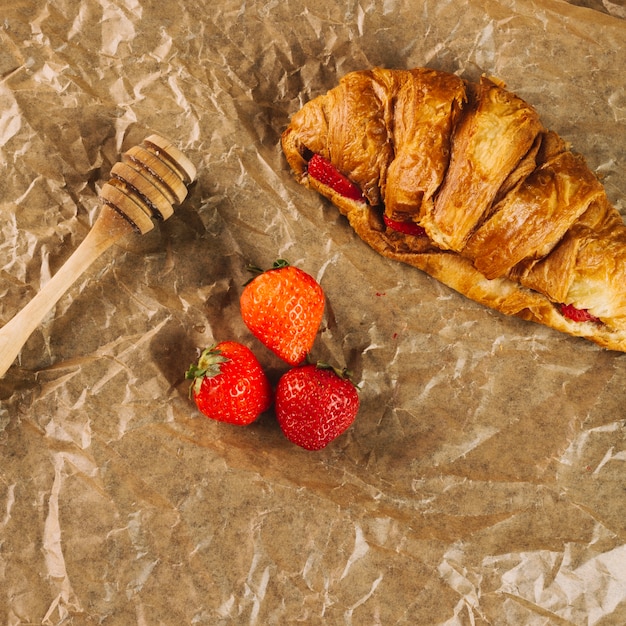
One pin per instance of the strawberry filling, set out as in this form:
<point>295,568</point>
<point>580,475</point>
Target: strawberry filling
<point>408,228</point>
<point>577,315</point>
<point>326,173</point>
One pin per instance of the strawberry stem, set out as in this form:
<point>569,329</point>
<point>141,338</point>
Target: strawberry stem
<point>343,373</point>
<point>256,270</point>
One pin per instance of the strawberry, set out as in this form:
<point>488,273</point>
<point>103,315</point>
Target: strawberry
<point>314,405</point>
<point>577,315</point>
<point>283,308</point>
<point>326,173</point>
<point>408,228</point>
<point>229,384</point>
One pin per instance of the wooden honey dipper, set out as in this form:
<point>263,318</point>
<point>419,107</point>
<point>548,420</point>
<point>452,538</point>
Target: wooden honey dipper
<point>145,185</point>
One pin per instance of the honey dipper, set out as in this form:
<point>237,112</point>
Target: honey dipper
<point>144,185</point>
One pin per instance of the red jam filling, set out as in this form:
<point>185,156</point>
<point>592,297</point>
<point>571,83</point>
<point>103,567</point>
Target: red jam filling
<point>326,173</point>
<point>408,228</point>
<point>577,315</point>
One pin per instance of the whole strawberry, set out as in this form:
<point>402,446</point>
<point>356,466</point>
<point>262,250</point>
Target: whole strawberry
<point>229,384</point>
<point>314,405</point>
<point>283,308</point>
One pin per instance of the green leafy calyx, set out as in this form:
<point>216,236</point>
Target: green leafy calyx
<point>208,366</point>
<point>256,270</point>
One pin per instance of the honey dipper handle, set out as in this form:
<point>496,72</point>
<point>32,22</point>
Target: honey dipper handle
<point>107,229</point>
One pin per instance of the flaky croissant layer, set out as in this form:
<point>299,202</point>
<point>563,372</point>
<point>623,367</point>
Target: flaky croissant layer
<point>508,215</point>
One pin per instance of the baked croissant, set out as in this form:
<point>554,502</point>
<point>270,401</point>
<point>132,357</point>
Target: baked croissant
<point>462,181</point>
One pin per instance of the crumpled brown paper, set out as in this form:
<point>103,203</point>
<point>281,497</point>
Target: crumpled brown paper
<point>483,481</point>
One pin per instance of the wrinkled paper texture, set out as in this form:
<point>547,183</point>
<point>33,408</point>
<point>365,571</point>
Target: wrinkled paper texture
<point>483,480</point>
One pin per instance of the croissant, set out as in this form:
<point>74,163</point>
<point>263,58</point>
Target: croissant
<point>461,180</point>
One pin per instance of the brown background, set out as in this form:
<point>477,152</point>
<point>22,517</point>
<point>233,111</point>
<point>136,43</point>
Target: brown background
<point>483,481</point>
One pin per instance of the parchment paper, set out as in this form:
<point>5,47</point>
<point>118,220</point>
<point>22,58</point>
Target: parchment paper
<point>483,481</point>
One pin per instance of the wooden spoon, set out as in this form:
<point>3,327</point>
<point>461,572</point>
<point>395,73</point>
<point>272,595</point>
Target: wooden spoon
<point>150,179</point>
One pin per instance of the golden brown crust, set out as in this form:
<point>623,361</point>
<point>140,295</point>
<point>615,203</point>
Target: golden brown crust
<point>514,219</point>
<point>495,133</point>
